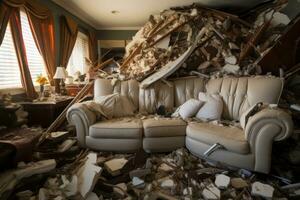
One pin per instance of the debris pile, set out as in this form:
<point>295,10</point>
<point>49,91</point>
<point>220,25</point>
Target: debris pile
<point>213,42</point>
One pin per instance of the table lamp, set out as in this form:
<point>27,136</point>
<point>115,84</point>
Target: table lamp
<point>61,74</point>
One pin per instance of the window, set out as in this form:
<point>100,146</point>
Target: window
<point>10,76</point>
<point>35,60</point>
<point>80,52</point>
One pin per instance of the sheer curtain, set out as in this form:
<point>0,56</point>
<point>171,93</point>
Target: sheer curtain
<point>77,61</point>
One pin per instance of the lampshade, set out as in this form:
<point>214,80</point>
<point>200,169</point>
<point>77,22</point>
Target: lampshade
<point>60,73</point>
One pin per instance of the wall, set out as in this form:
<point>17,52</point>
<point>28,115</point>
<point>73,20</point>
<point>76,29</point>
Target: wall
<point>292,9</point>
<point>57,13</point>
<point>115,34</point>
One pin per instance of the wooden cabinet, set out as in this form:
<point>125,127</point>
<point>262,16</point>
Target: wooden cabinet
<point>45,112</point>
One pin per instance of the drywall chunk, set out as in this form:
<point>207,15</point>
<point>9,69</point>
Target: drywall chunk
<point>137,182</point>
<point>231,60</point>
<point>115,165</point>
<point>222,181</point>
<point>263,190</point>
<point>88,175</point>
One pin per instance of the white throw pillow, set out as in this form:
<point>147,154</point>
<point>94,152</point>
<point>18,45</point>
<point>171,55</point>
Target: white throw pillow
<point>190,108</point>
<point>212,108</point>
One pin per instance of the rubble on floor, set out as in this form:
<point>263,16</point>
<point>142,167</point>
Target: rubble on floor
<point>104,175</point>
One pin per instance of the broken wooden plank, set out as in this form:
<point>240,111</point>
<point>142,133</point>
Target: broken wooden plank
<point>254,39</point>
<point>172,66</point>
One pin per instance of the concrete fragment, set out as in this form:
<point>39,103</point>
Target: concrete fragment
<point>137,182</point>
<point>120,190</point>
<point>263,190</point>
<point>233,69</point>
<point>238,183</point>
<point>115,165</point>
<point>222,181</point>
<point>167,184</point>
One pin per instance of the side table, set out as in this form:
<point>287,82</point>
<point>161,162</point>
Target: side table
<point>45,112</point>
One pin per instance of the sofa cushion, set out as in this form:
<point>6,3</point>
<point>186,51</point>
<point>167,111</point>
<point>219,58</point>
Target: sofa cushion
<point>117,128</point>
<point>190,108</point>
<point>232,138</point>
<point>212,108</point>
<point>164,127</point>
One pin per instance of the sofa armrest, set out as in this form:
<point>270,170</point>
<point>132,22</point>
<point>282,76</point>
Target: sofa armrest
<point>264,127</point>
<point>80,116</point>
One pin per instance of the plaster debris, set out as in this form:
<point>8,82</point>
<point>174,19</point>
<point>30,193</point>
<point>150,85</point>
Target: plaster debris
<point>168,184</point>
<point>222,181</point>
<point>263,190</point>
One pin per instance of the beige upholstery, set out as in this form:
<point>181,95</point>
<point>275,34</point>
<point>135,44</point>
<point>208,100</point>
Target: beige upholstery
<point>128,88</point>
<point>117,128</point>
<point>232,138</point>
<point>156,95</point>
<point>163,144</point>
<point>187,88</point>
<point>164,127</point>
<point>248,148</point>
<point>241,93</point>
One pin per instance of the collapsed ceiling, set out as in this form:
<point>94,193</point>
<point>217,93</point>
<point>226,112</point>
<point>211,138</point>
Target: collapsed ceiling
<point>132,14</point>
<point>196,40</point>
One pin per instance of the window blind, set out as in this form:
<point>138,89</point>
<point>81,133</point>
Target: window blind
<point>35,60</point>
<point>10,76</point>
<point>80,52</point>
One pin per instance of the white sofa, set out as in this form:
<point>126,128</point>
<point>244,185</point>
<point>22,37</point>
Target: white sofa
<point>249,147</point>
